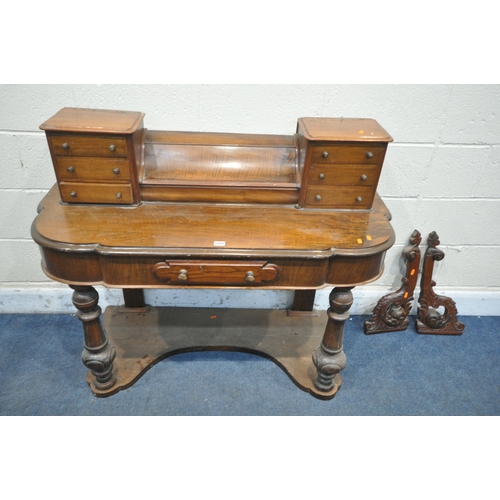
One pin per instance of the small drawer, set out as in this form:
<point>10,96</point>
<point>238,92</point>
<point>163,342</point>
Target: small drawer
<point>89,145</point>
<point>206,272</point>
<point>86,192</point>
<point>343,175</point>
<point>356,154</point>
<point>341,197</point>
<point>93,169</point>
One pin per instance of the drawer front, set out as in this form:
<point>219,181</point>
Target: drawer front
<point>86,192</point>
<point>343,175</point>
<point>85,145</point>
<point>341,197</point>
<point>359,154</point>
<point>204,272</point>
<point>93,169</point>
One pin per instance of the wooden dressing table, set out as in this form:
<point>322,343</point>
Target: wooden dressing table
<point>136,209</point>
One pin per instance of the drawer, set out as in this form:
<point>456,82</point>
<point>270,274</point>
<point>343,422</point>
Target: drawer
<point>86,192</point>
<point>93,169</point>
<point>359,154</point>
<point>341,197</point>
<point>343,175</point>
<point>206,272</point>
<point>89,145</point>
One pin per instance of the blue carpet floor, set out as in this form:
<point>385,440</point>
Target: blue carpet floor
<point>400,373</point>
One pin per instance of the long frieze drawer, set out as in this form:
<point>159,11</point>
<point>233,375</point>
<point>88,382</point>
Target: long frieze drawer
<point>93,169</point>
<point>356,154</point>
<point>343,175</point>
<point>79,192</point>
<point>341,197</point>
<point>205,272</point>
<point>84,145</point>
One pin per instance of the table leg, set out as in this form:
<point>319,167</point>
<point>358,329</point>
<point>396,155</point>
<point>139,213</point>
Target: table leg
<point>329,357</point>
<point>134,297</point>
<point>98,354</point>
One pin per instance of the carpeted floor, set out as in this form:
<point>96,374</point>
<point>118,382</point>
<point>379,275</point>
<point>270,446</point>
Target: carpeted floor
<point>401,373</point>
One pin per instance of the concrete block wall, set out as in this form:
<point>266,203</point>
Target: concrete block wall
<point>442,173</point>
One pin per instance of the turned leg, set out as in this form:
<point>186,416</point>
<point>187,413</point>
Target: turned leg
<point>329,358</point>
<point>98,354</point>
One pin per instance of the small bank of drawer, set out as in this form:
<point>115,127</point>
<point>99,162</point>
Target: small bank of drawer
<point>85,145</point>
<point>80,192</point>
<point>339,197</point>
<point>357,154</point>
<point>343,175</point>
<point>206,272</point>
<point>93,169</point>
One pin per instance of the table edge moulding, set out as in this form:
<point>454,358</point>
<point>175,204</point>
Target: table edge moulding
<point>136,209</point>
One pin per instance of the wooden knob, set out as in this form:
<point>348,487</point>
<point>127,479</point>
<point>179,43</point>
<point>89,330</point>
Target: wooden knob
<point>250,277</point>
<point>183,275</point>
<point>364,177</point>
<point>325,154</point>
<point>369,154</point>
<point>65,145</point>
<point>116,171</point>
<point>70,169</point>
<point>321,177</point>
<point>118,195</point>
<point>317,197</point>
<point>359,199</point>
<point>73,194</point>
<point>112,147</point>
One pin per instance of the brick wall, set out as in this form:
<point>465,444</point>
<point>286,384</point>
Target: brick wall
<point>442,172</point>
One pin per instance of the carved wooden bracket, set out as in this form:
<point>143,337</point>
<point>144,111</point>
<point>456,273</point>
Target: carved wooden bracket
<point>391,314</point>
<point>429,319</point>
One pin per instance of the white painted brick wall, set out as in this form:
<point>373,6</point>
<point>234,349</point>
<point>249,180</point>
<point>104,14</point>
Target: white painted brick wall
<point>442,172</point>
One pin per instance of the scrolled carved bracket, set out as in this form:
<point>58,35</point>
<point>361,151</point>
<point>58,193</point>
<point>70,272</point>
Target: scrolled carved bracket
<point>429,319</point>
<point>392,311</point>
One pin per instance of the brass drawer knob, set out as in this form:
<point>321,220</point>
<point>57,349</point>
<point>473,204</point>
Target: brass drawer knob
<point>112,147</point>
<point>325,154</point>
<point>317,197</point>
<point>369,154</point>
<point>364,177</point>
<point>250,277</point>
<point>183,275</point>
<point>73,194</point>
<point>118,195</point>
<point>321,177</point>
<point>70,169</point>
<point>359,199</point>
<point>65,145</point>
<point>116,171</point>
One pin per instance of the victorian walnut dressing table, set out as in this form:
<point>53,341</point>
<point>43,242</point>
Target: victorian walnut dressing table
<point>135,209</point>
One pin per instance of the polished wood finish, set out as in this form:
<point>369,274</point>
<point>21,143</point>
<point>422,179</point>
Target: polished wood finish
<point>335,153</point>
<point>94,121</point>
<point>89,192</point>
<point>166,331</point>
<point>210,272</point>
<point>137,209</point>
<point>430,319</point>
<point>329,357</point>
<point>94,152</point>
<point>99,354</point>
<point>392,312</point>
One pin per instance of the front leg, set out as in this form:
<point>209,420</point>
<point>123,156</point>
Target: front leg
<point>329,357</point>
<point>98,354</point>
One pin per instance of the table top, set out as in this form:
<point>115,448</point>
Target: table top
<point>215,229</point>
